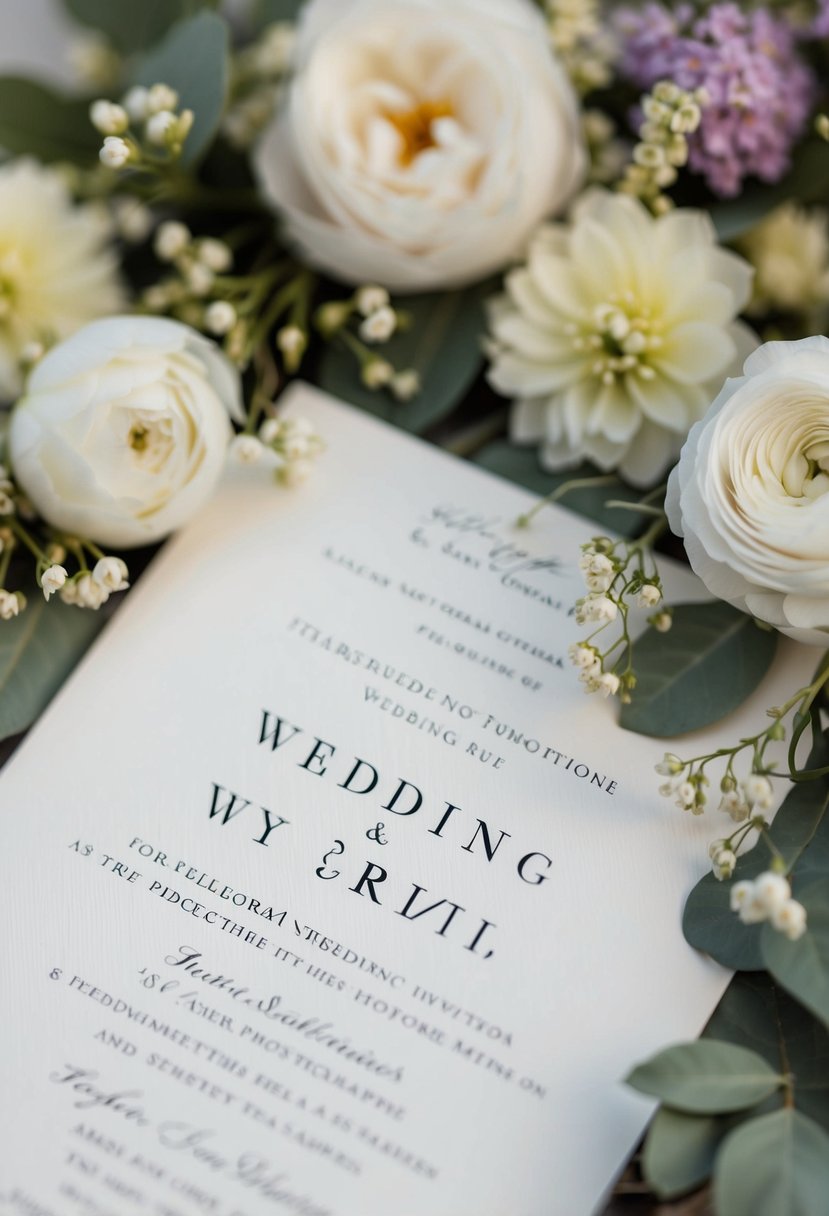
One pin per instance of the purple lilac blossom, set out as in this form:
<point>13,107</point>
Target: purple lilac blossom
<point>760,92</point>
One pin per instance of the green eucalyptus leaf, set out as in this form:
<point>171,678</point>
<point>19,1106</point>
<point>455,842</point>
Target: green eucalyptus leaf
<point>802,967</point>
<point>680,1150</point>
<point>38,650</point>
<point>442,342</point>
<point>131,25</point>
<point>192,59</point>
<point>758,1014</point>
<point>776,1165</point>
<point>35,121</point>
<point>705,667</point>
<point>706,1077</point>
<point>521,465</point>
<point>801,833</point>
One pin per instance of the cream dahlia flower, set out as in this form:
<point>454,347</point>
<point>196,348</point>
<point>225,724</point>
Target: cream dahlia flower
<point>617,334</point>
<point>55,270</point>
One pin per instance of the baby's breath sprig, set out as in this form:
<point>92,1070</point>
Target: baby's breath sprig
<point>742,795</point>
<point>620,576</point>
<point>670,114</point>
<point>358,324</point>
<point>146,130</point>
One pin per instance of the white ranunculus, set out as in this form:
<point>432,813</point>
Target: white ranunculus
<point>421,141</point>
<point>750,494</point>
<point>616,335</point>
<point>124,428</point>
<point>56,272</point>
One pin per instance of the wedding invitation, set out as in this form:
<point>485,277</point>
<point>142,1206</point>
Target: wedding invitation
<point>325,888</point>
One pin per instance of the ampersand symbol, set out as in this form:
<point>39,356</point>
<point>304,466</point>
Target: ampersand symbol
<point>337,848</point>
<point>376,834</point>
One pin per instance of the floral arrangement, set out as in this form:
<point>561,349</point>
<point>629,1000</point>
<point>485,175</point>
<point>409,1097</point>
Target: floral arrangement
<point>585,245</point>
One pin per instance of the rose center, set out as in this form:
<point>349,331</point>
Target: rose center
<point>620,335</point>
<point>807,473</point>
<point>415,127</point>
<point>150,440</point>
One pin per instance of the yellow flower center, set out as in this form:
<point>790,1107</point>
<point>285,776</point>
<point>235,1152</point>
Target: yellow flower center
<point>622,334</point>
<point>150,439</point>
<point>415,127</point>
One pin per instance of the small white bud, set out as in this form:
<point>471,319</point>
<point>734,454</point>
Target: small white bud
<point>406,384</point>
<point>159,127</point>
<point>649,596</point>
<point>758,791</point>
<point>115,152</point>
<point>89,593</point>
<point>171,240</point>
<point>379,326</point>
<point>686,795</point>
<point>220,317</point>
<point>724,863</point>
<point>9,605</point>
<point>161,97</point>
<point>133,220</point>
<point>670,765</point>
<point>742,893</point>
<point>732,804</point>
<point>294,472</point>
<point>52,580</point>
<point>216,255</point>
<point>772,890</point>
<point>6,503</point>
<point>292,342</point>
<point>582,656</point>
<point>136,103</point>
<point>377,373</point>
<point>108,118</point>
<point>662,622</point>
<point>790,919</point>
<point>111,573</point>
<point>199,279</point>
<point>608,684</point>
<point>371,299</point>
<point>246,449</point>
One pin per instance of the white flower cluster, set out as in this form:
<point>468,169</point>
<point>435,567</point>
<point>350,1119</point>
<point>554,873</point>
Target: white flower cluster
<point>156,110</point>
<point>612,590</point>
<point>582,42</point>
<point>88,588</point>
<point>769,897</point>
<point>293,440</point>
<point>379,321</point>
<point>688,783</point>
<point>789,251</point>
<point>670,114</point>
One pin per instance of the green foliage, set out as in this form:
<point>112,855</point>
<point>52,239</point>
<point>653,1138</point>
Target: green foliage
<point>773,1166</point>
<point>35,121</point>
<point>706,666</point>
<point>131,25</point>
<point>520,464</point>
<point>38,650</point>
<point>801,824</point>
<point>443,343</point>
<point>267,11</point>
<point>193,59</point>
<point>756,1013</point>
<point>706,1078</point>
<point>802,967</point>
<point>680,1150</point>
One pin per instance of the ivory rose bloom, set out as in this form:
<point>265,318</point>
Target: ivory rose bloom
<point>617,334</point>
<point>750,494</point>
<point>56,271</point>
<point>421,141</point>
<point>124,428</point>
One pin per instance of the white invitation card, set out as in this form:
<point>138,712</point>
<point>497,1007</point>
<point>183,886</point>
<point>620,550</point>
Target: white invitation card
<point>325,889</point>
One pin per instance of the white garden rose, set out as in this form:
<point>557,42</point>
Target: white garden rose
<point>421,141</point>
<point>124,429</point>
<point>750,494</point>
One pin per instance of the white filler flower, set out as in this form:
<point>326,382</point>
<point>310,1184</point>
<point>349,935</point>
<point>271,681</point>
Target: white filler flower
<point>124,429</point>
<point>750,494</point>
<point>55,271</point>
<point>617,333</point>
<point>421,141</point>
